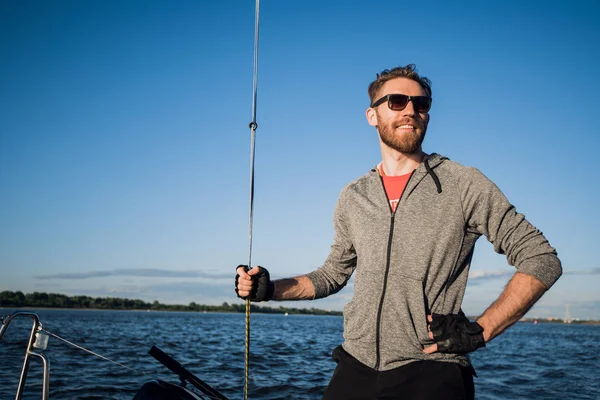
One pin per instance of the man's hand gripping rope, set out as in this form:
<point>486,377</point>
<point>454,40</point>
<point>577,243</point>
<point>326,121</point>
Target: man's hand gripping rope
<point>254,284</point>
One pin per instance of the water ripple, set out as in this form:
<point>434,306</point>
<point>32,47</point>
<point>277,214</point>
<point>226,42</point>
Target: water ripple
<point>290,356</point>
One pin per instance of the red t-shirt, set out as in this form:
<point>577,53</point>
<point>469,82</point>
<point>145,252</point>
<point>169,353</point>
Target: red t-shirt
<point>394,186</point>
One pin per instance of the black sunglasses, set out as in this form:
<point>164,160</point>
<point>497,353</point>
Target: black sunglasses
<point>398,102</point>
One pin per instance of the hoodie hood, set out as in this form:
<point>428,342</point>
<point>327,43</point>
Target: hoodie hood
<point>427,167</point>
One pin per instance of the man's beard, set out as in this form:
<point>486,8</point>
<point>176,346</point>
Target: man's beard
<point>408,142</point>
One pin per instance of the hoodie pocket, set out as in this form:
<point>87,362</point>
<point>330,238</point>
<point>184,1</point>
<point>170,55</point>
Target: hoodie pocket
<point>404,314</point>
<point>360,318</point>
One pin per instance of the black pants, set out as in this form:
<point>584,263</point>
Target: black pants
<point>419,380</point>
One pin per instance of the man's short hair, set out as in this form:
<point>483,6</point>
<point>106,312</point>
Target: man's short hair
<point>409,72</point>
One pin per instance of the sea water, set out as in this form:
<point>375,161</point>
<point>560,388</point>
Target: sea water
<point>290,356</point>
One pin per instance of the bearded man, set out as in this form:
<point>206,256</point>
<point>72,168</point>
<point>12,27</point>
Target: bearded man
<point>407,229</point>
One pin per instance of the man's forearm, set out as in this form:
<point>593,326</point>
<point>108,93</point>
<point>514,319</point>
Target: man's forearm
<point>298,288</point>
<point>519,295</point>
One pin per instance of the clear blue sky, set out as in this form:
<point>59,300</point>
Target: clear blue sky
<point>124,140</point>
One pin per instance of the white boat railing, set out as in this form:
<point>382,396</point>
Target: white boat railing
<point>37,340</point>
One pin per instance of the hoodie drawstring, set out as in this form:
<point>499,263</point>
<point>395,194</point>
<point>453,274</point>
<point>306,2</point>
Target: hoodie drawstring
<point>438,185</point>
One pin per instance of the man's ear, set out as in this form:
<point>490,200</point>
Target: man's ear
<point>371,116</point>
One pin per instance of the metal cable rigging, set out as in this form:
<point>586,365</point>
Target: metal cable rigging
<point>253,126</point>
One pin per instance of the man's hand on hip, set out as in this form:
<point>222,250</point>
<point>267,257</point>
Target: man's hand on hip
<point>454,333</point>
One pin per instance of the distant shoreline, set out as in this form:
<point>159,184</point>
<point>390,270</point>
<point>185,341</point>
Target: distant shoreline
<point>276,311</point>
<point>41,300</point>
<point>54,301</point>
<point>329,313</point>
<point>560,321</point>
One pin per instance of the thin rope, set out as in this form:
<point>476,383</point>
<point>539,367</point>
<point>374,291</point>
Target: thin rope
<point>255,77</point>
<point>253,127</point>
<point>96,354</point>
<point>203,395</point>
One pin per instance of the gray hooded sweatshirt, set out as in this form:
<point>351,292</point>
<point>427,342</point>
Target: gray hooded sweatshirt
<point>415,261</point>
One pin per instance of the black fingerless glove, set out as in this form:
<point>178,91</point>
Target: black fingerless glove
<point>262,289</point>
<point>454,333</point>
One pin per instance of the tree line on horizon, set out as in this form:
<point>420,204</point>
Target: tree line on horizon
<point>54,300</point>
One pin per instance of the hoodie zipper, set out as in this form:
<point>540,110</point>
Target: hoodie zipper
<point>387,267</point>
